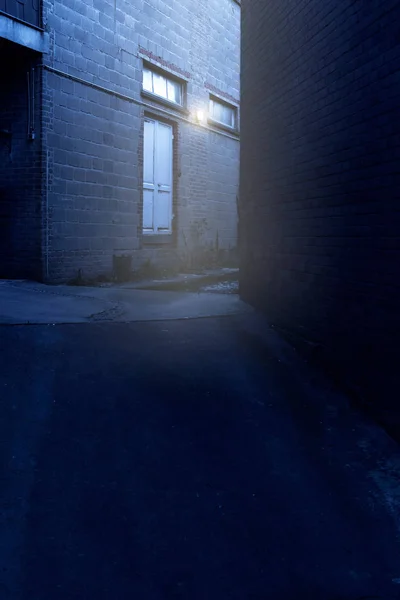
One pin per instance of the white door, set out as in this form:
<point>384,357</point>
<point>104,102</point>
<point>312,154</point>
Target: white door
<point>157,177</point>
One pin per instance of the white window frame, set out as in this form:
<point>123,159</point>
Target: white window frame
<point>169,79</point>
<point>232,107</point>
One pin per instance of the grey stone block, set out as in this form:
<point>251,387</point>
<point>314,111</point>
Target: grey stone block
<point>104,130</point>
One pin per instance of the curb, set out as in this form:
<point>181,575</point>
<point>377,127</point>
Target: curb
<point>185,282</point>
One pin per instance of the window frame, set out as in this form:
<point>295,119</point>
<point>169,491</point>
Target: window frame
<point>221,124</point>
<point>169,77</point>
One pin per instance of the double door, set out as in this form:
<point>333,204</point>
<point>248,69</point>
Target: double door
<point>157,177</point>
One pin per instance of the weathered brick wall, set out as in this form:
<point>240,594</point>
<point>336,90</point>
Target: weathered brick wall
<point>320,180</point>
<point>223,41</point>
<point>203,40</point>
<point>20,166</point>
<point>93,193</point>
<point>94,138</point>
<point>212,174</point>
<point>223,191</point>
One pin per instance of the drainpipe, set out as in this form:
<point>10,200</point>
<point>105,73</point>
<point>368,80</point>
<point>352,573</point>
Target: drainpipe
<point>33,134</point>
<point>46,199</point>
<point>30,81</point>
<point>45,181</point>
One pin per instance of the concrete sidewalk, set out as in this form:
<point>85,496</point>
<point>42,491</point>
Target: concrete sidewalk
<point>23,302</point>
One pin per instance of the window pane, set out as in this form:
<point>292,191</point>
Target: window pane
<point>228,116</point>
<point>174,92</point>
<point>218,111</point>
<point>160,85</point>
<point>222,113</point>
<point>147,80</point>
<point>213,109</point>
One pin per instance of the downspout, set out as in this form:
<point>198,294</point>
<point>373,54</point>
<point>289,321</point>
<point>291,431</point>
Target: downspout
<point>32,132</point>
<point>28,91</point>
<point>45,182</point>
<point>47,217</point>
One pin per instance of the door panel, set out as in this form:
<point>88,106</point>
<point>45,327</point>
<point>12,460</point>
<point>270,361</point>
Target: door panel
<point>148,210</point>
<point>163,211</point>
<point>163,155</point>
<point>148,170</point>
<point>157,177</point>
<point>148,176</point>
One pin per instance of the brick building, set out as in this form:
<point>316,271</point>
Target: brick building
<point>119,134</point>
<point>320,183</point>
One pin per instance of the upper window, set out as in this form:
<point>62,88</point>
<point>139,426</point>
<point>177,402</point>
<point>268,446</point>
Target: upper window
<point>162,86</point>
<point>222,113</point>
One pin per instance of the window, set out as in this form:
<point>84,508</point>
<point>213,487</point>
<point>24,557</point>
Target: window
<point>162,86</point>
<point>222,113</point>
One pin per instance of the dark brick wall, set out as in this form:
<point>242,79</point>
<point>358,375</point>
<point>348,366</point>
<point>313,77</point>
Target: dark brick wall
<point>320,182</point>
<point>20,166</point>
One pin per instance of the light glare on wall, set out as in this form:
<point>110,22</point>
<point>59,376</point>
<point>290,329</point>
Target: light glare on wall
<point>200,116</point>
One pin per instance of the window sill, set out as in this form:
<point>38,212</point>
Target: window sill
<point>23,33</point>
<point>164,102</point>
<point>217,125</point>
<point>157,239</point>
<point>22,21</point>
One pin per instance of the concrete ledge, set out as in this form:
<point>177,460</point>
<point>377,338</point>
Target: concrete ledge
<point>24,35</point>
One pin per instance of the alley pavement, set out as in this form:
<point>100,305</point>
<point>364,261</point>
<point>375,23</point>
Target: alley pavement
<point>194,459</point>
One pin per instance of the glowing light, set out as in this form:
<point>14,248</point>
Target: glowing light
<point>200,116</point>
